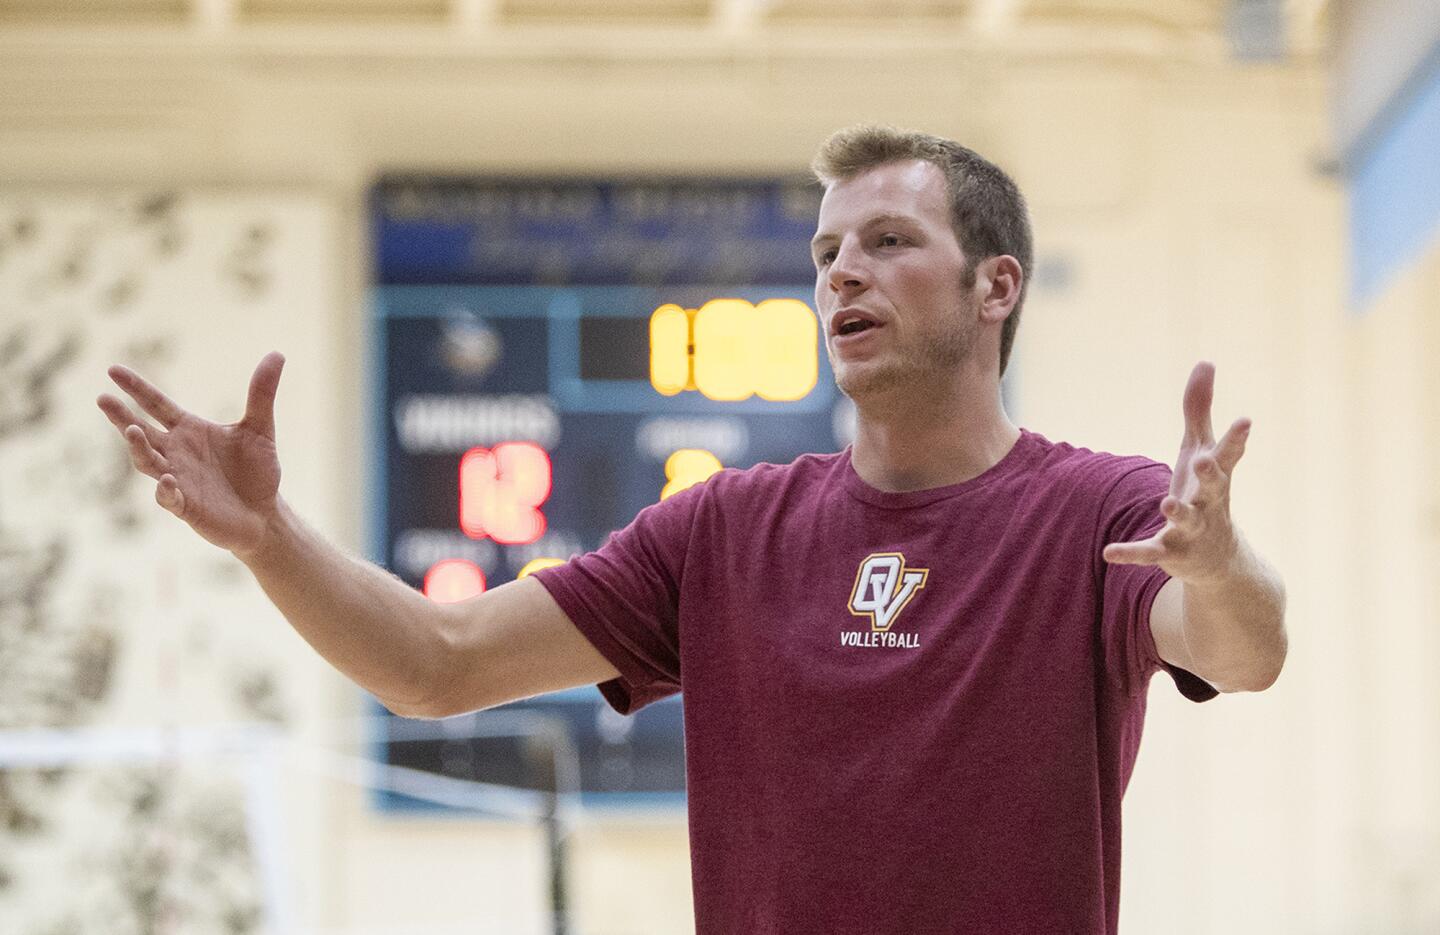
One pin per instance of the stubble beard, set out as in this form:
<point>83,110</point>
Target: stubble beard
<point>907,371</point>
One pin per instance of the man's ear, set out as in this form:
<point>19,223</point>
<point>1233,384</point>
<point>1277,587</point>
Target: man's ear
<point>998,281</point>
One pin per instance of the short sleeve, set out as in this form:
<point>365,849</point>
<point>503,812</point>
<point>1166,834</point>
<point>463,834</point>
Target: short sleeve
<point>1129,512</point>
<point>625,596</point>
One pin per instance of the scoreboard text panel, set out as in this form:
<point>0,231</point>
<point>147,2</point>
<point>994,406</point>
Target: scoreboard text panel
<point>535,390</point>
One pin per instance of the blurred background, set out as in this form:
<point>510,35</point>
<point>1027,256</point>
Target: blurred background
<point>456,217</point>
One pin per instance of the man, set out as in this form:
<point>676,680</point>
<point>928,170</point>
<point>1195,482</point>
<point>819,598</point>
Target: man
<point>915,671</point>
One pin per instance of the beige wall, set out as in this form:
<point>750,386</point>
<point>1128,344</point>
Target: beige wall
<point>1388,633</point>
<point>192,296</point>
<point>1179,216</point>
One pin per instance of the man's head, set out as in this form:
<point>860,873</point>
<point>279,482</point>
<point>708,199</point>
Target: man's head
<point>986,210</point>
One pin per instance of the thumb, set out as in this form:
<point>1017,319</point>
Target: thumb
<point>260,404</point>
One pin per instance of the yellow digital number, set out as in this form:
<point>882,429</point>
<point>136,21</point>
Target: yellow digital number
<point>725,330</point>
<point>535,565</point>
<point>786,366</point>
<point>670,350</point>
<point>688,467</point>
<point>731,350</point>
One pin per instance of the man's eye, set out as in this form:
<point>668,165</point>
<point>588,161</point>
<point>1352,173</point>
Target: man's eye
<point>890,240</point>
<point>824,258</point>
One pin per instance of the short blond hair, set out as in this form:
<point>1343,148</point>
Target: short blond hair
<point>987,210</point>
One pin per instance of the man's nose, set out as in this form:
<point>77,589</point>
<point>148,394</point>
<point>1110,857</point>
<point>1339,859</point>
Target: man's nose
<point>847,271</point>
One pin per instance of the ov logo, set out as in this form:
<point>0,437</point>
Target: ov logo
<point>883,586</point>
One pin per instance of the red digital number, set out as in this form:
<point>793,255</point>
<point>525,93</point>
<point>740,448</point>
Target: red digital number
<point>454,580</point>
<point>501,491</point>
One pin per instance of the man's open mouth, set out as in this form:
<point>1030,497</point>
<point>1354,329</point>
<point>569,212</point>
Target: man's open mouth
<point>856,326</point>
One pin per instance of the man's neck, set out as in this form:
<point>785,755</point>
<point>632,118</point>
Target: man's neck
<point>930,440</point>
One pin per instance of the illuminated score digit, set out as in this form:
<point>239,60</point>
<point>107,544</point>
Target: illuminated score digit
<point>725,330</point>
<point>786,365</point>
<point>453,580</point>
<point>536,564</point>
<point>502,490</point>
<point>670,359</point>
<point>688,467</point>
<point>731,350</point>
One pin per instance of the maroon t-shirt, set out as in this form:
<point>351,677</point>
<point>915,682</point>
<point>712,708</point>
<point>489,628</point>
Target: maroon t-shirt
<point>904,712</point>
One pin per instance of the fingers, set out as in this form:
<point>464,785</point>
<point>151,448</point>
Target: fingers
<point>1199,393</point>
<point>1232,445</point>
<point>260,404</point>
<point>1147,552</point>
<point>146,459</point>
<point>168,495</point>
<point>1214,486</point>
<point>140,439</point>
<point>154,402</point>
<point>1181,514</point>
<point>122,418</point>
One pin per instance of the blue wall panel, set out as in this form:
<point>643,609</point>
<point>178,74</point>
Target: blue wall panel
<point>1395,186</point>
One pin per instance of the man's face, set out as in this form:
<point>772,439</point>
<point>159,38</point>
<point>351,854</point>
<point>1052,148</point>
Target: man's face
<point>884,248</point>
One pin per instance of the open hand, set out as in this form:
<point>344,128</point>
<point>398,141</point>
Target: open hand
<point>221,479</point>
<point>1198,542</point>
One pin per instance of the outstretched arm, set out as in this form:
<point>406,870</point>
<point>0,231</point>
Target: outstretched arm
<point>1222,614</point>
<point>418,657</point>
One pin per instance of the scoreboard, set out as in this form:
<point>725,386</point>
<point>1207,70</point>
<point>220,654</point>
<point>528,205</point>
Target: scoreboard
<point>550,357</point>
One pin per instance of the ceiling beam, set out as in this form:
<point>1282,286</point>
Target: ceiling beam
<point>473,17</point>
<point>213,17</point>
<point>994,19</point>
<point>737,18</point>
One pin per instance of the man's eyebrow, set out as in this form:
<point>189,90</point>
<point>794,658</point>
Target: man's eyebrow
<point>885,217</point>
